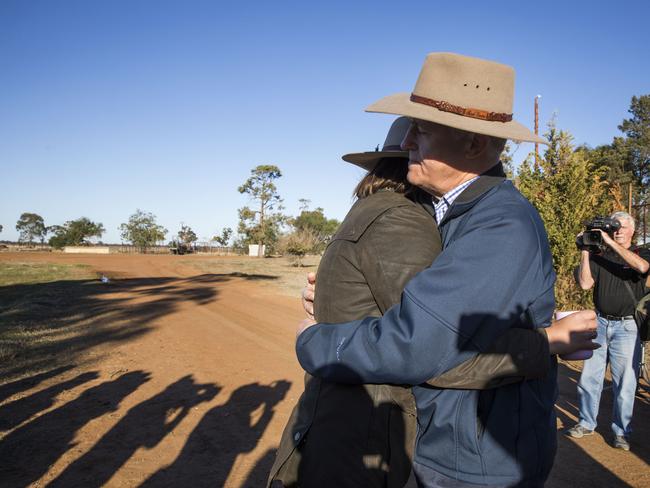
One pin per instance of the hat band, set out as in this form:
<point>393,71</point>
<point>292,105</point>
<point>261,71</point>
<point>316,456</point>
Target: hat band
<point>474,113</point>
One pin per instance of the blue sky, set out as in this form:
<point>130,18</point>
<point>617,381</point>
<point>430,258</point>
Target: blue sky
<point>166,106</point>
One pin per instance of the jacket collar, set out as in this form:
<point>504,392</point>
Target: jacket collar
<point>426,202</point>
<point>475,192</point>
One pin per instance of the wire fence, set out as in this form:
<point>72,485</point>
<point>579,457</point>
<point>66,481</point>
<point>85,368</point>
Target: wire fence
<point>128,249</point>
<point>197,249</point>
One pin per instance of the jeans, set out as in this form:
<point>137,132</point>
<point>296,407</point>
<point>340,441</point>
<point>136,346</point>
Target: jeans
<point>619,340</point>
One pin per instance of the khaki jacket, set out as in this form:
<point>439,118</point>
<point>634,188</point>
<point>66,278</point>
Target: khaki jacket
<point>363,435</point>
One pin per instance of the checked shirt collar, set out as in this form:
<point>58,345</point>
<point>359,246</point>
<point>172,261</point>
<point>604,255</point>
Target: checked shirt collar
<point>444,202</point>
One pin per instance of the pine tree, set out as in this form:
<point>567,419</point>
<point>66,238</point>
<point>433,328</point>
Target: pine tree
<point>637,140</point>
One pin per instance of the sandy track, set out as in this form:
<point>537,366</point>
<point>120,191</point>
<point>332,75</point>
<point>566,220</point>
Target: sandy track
<point>200,397</point>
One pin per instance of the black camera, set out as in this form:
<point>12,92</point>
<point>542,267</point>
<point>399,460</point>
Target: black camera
<point>591,240</point>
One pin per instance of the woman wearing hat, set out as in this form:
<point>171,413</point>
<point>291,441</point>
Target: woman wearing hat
<point>343,435</point>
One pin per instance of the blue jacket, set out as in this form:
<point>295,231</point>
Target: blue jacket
<point>495,272</point>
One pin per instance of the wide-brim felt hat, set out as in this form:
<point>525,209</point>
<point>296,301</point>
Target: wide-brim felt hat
<point>391,149</point>
<point>471,94</point>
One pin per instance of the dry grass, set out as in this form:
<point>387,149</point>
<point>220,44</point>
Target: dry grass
<point>285,276</point>
<point>15,336</point>
<point>17,273</point>
<point>34,298</point>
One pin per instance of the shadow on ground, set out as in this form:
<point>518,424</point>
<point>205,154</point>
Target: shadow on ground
<point>39,431</point>
<point>224,433</point>
<point>144,425</point>
<point>51,324</point>
<point>27,452</point>
<point>573,465</point>
<point>11,388</point>
<point>235,427</point>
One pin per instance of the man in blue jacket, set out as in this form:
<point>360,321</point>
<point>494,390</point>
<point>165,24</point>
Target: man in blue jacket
<point>495,272</point>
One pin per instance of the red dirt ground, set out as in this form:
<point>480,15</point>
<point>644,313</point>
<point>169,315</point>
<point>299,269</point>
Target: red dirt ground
<point>195,386</point>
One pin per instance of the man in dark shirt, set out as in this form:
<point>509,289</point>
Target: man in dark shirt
<point>618,278</point>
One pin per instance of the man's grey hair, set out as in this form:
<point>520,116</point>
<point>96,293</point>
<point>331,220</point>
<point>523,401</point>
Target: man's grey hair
<point>624,216</point>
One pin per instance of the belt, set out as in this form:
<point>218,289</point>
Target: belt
<point>615,317</point>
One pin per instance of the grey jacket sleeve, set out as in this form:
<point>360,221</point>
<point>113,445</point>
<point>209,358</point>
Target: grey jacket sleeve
<point>389,261</point>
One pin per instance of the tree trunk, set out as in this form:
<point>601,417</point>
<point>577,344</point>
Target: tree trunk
<point>260,249</point>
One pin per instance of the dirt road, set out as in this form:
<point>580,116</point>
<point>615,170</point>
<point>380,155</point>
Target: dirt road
<point>182,378</point>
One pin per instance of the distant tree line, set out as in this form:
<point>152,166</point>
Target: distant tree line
<point>31,228</point>
<point>141,230</point>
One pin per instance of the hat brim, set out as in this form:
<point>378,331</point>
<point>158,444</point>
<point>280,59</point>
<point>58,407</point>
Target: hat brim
<point>368,160</point>
<point>401,104</point>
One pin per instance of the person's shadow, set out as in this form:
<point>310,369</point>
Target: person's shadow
<point>29,451</point>
<point>224,432</point>
<point>144,425</point>
<point>16,412</point>
<point>22,384</point>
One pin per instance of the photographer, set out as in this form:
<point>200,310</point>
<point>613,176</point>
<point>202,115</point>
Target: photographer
<point>616,271</point>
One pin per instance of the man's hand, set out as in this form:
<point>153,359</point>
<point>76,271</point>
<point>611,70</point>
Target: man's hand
<point>607,239</point>
<point>308,293</point>
<point>632,259</point>
<point>573,333</point>
<point>304,325</point>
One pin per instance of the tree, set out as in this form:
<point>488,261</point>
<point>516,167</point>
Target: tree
<point>299,243</point>
<point>75,232</point>
<point>320,226</point>
<point>142,230</point>
<point>637,141</point>
<point>303,204</point>
<point>224,238</point>
<point>613,156</point>
<point>567,189</point>
<point>262,224</point>
<point>31,226</point>
<point>186,235</point>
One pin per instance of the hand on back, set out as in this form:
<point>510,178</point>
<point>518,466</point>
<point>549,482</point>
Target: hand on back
<point>308,293</point>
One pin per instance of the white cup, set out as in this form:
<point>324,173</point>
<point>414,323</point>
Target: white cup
<point>579,355</point>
